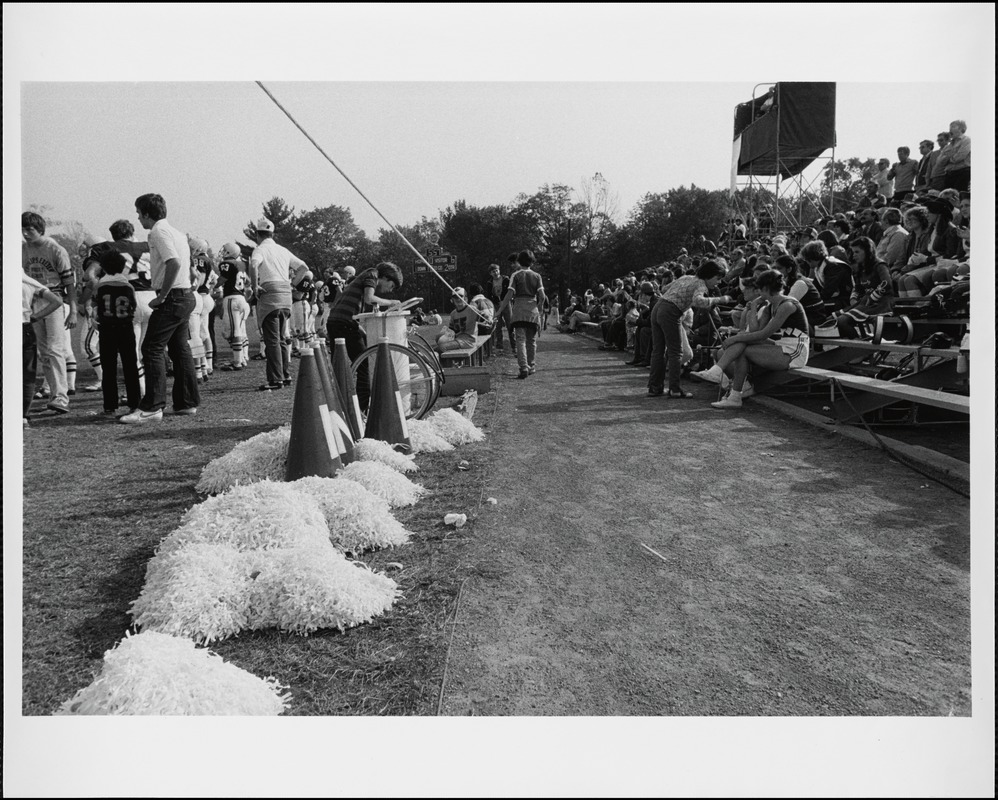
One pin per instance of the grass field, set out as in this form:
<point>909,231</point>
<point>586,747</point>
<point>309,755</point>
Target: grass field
<point>99,497</point>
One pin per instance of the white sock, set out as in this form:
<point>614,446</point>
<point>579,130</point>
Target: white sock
<point>735,395</point>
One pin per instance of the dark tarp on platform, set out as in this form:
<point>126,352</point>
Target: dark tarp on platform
<point>805,114</point>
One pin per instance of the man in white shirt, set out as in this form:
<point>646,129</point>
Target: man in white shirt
<point>170,270</point>
<point>893,244</point>
<point>272,271</point>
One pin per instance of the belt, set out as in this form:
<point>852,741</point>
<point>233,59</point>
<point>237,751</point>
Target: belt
<point>177,292</point>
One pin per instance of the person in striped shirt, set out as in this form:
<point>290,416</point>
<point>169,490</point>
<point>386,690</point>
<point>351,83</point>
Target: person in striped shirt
<point>689,291</point>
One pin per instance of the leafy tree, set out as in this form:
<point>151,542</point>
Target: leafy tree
<point>328,237</point>
<point>284,219</point>
<point>848,179</point>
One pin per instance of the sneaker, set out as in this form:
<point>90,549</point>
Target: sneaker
<point>140,417</point>
<point>531,370</point>
<point>656,392</point>
<point>91,387</point>
<point>728,401</point>
<point>57,407</point>
<point>286,382</point>
<point>71,392</point>
<point>123,412</point>
<point>185,412</point>
<point>523,374</point>
<point>26,424</point>
<point>711,375</point>
<point>269,387</point>
<point>259,357</point>
<point>231,367</point>
<point>41,394</point>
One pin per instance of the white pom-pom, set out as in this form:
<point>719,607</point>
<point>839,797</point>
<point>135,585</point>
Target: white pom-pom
<point>201,591</point>
<point>152,673</point>
<point>304,590</point>
<point>375,450</point>
<point>358,519</point>
<point>453,427</point>
<point>259,458</point>
<point>383,481</point>
<point>425,439</point>
<point>258,515</point>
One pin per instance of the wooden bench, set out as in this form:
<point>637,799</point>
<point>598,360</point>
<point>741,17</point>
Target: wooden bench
<point>473,356</point>
<point>893,390</point>
<point>842,351</point>
<point>590,329</point>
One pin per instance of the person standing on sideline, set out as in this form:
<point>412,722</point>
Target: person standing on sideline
<point>233,280</point>
<point>496,287</point>
<point>114,307</point>
<point>273,270</point>
<point>170,270</point>
<point>688,291</point>
<point>357,297</point>
<point>37,303</point>
<point>45,260</point>
<point>526,293</point>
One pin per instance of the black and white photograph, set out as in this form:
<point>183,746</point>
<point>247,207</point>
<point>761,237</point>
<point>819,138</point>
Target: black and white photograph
<point>546,400</point>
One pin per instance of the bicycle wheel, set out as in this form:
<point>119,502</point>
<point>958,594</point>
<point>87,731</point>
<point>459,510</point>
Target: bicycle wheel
<point>416,379</point>
<point>431,357</point>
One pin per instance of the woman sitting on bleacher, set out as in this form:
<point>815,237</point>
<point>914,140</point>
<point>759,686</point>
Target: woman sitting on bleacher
<point>944,244</point>
<point>832,277</point>
<point>916,222</point>
<point>782,343</point>
<point>873,294</point>
<point>802,289</point>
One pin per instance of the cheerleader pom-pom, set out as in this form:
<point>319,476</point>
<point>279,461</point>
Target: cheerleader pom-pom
<point>383,481</point>
<point>357,519</point>
<point>305,590</point>
<point>252,517</point>
<point>384,453</point>
<point>262,457</point>
<point>155,674</point>
<point>454,428</point>
<point>425,439</point>
<point>200,592</point>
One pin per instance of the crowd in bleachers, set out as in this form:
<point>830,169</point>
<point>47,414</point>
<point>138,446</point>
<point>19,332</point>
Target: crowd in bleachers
<point>904,248</point>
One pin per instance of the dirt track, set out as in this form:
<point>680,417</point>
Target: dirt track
<point>803,574</point>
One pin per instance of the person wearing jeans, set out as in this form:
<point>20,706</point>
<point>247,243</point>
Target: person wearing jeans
<point>684,293</point>
<point>170,268</point>
<point>526,293</point>
<point>273,270</point>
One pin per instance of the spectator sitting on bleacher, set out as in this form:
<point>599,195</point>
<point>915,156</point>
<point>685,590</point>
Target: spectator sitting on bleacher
<point>460,332</point>
<point>484,307</point>
<point>750,315</point>
<point>869,226</point>
<point>944,243</point>
<point>591,313</point>
<point>873,293</point>
<point>893,244</point>
<point>832,277</point>
<point>782,343</point>
<point>916,221</point>
<point>803,289</point>
<point>873,198</point>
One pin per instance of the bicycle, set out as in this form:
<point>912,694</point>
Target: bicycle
<point>417,369</point>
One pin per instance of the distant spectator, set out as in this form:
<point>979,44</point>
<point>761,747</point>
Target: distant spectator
<point>903,172</point>
<point>832,276</point>
<point>893,244</point>
<point>873,198</point>
<point>954,160</point>
<point>925,164</point>
<point>937,178</point>
<point>642,334</point>
<point>869,225</point>
<point>885,183</point>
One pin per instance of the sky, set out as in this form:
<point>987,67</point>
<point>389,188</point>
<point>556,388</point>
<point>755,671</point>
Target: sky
<point>217,151</point>
<point>421,105</point>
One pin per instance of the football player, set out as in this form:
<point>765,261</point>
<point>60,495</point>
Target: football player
<point>235,308</point>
